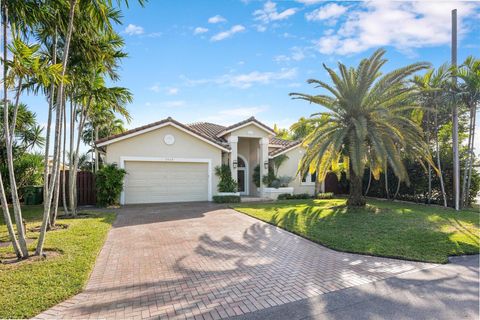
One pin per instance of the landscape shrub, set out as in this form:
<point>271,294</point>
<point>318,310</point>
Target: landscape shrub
<point>287,196</point>
<point>325,195</point>
<point>109,184</point>
<point>226,199</point>
<point>226,183</point>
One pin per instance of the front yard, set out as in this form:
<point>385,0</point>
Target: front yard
<point>383,228</point>
<point>29,287</point>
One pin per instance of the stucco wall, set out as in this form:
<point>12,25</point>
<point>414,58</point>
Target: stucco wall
<point>251,131</point>
<point>289,168</point>
<point>151,144</point>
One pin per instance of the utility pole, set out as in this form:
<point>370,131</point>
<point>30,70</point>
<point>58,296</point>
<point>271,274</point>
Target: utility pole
<point>456,161</point>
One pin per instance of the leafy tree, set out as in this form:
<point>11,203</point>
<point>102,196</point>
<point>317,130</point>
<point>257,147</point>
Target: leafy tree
<point>368,122</point>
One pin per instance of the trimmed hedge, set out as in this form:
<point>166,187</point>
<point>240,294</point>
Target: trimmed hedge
<point>226,199</point>
<point>287,196</point>
<point>326,195</point>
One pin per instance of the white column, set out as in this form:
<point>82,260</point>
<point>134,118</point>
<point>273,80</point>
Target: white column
<point>263,159</point>
<point>233,141</point>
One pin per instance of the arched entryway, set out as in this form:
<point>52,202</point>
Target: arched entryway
<point>242,175</point>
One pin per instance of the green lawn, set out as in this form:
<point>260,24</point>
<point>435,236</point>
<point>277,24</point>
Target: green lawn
<point>383,228</point>
<point>30,287</point>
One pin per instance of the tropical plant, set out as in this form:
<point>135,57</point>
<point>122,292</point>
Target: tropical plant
<point>469,93</point>
<point>109,184</point>
<point>433,88</point>
<point>226,183</point>
<point>369,122</point>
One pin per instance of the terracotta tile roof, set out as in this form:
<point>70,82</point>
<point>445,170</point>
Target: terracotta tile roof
<point>154,124</point>
<point>288,146</point>
<point>207,128</point>
<point>209,131</point>
<point>280,142</point>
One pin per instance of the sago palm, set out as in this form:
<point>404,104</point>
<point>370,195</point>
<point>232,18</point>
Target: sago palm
<point>368,123</point>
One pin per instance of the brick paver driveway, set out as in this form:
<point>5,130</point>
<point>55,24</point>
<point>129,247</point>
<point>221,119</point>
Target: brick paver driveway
<point>203,261</point>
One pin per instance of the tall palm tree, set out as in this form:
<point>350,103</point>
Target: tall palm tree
<point>368,121</point>
<point>469,92</point>
<point>432,87</point>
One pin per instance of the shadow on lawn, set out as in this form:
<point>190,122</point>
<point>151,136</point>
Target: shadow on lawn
<point>375,231</point>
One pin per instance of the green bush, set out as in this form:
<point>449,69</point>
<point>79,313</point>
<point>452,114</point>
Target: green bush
<point>226,183</point>
<point>325,195</point>
<point>226,199</point>
<point>109,183</point>
<point>287,196</point>
<point>256,175</point>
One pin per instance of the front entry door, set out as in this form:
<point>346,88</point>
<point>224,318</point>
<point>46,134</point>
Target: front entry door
<point>241,180</point>
<point>242,175</point>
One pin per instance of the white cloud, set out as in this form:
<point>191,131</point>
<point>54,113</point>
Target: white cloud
<point>132,29</point>
<point>200,30</point>
<point>216,19</point>
<point>310,2</point>
<point>269,14</point>
<point>246,80</point>
<point>329,11</point>
<point>169,90</point>
<point>172,91</point>
<point>155,88</point>
<point>229,33</point>
<point>403,25</point>
<point>297,54</point>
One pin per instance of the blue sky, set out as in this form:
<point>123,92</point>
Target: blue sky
<point>223,61</point>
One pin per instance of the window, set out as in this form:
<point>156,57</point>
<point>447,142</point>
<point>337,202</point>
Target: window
<point>241,163</point>
<point>309,178</point>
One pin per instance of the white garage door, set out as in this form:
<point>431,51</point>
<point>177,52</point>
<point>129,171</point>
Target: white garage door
<point>155,182</point>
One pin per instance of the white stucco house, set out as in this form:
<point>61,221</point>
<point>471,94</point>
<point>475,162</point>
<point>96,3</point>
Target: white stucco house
<point>167,161</point>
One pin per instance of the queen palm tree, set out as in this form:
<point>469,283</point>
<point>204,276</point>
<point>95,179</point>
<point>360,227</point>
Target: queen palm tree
<point>368,121</point>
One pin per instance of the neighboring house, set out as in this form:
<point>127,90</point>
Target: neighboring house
<point>50,165</point>
<point>167,161</point>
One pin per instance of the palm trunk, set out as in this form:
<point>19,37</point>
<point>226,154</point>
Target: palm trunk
<point>64,151</point>
<point>470,162</point>
<point>54,210</point>
<point>93,148</point>
<point>46,214</point>
<point>429,165</point>
<point>49,126</point>
<point>356,198</point>
<point>3,198</point>
<point>439,162</point>
<point>9,144</point>
<point>71,200</point>
<point>463,199</point>
<point>369,180</point>
<point>398,190</point>
<point>386,182</point>
<point>97,161</point>
<point>76,158</point>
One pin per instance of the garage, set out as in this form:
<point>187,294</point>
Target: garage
<point>164,181</point>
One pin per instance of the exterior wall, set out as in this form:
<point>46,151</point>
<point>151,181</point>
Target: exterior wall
<point>249,131</point>
<point>289,168</point>
<point>151,144</point>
